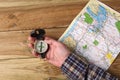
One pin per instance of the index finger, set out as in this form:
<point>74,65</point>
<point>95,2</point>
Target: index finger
<point>50,41</point>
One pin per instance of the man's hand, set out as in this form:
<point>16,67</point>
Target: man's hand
<point>57,52</point>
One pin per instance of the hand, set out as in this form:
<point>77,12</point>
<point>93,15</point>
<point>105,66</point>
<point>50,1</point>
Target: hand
<point>57,52</point>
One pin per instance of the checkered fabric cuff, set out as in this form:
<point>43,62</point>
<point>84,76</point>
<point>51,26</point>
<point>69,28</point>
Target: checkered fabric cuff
<point>77,68</point>
<point>96,73</point>
<point>74,67</point>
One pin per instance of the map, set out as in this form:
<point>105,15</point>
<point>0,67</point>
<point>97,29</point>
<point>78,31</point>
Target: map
<point>95,34</point>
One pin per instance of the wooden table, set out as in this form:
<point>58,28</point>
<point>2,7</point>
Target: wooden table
<point>19,17</point>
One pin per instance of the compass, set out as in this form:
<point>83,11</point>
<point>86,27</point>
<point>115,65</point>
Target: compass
<point>40,46</point>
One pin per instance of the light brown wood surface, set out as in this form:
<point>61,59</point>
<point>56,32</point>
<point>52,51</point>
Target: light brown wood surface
<point>19,17</point>
<point>16,67</point>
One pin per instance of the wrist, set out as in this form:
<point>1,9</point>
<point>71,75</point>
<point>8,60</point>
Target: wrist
<point>63,60</point>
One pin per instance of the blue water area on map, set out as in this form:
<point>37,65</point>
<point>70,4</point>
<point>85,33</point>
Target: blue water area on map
<point>100,17</point>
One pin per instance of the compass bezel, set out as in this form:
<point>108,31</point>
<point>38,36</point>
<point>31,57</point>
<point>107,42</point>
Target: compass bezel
<point>36,46</point>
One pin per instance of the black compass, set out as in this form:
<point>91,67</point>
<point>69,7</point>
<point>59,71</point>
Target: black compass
<point>40,46</point>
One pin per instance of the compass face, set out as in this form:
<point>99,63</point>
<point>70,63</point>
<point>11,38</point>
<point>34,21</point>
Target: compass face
<point>41,46</point>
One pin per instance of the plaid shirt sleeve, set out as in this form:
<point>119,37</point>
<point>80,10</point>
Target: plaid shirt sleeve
<point>77,68</point>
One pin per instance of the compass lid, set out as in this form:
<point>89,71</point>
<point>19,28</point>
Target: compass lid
<point>38,33</point>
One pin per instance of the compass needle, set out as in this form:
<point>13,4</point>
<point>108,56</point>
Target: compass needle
<point>41,47</point>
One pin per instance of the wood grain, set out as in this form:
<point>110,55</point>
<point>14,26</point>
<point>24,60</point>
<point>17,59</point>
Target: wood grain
<point>49,17</point>
<point>43,18</point>
<point>19,17</point>
<point>16,67</point>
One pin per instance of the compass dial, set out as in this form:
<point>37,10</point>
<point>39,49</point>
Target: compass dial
<point>41,46</point>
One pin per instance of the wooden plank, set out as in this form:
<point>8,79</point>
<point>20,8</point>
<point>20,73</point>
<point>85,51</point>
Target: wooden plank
<point>16,67</point>
<point>30,4</point>
<point>58,15</point>
<point>15,42</point>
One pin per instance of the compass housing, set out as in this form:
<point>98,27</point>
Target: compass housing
<point>40,46</point>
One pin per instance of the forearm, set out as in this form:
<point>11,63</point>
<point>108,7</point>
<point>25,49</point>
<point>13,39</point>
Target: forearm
<point>77,68</point>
